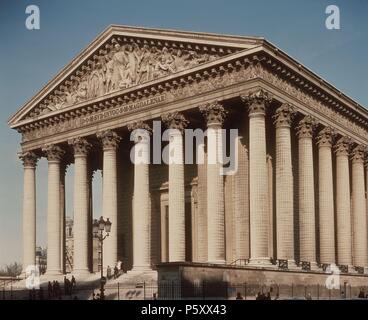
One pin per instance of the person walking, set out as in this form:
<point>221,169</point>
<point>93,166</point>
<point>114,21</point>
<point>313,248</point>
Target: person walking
<point>108,272</point>
<point>49,290</point>
<point>239,296</point>
<point>73,285</point>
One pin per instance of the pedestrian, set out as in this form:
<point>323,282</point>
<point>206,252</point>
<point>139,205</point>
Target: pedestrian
<point>49,290</point>
<point>361,294</point>
<point>239,296</point>
<point>65,285</point>
<point>40,293</point>
<point>108,272</point>
<point>116,270</point>
<point>74,282</point>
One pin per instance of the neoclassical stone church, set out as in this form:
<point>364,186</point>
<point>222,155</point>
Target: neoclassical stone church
<point>297,202</point>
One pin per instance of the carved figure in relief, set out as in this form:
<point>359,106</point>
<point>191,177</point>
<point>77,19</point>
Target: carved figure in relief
<point>96,81</point>
<point>144,68</point>
<point>179,60</point>
<point>109,72</point>
<point>119,62</point>
<point>165,64</point>
<point>82,91</point>
<point>133,61</point>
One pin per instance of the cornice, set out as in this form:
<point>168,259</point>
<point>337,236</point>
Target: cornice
<point>253,63</point>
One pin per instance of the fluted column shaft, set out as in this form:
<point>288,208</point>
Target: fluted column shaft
<point>29,209</point>
<point>62,216</point>
<point>202,210</point>
<point>215,114</point>
<point>176,124</point>
<point>215,200</point>
<point>241,203</point>
<point>141,198</point>
<point>284,185</point>
<point>343,212</point>
<point>54,155</point>
<point>307,219</point>
<point>81,206</point>
<point>110,141</point>
<point>326,198</point>
<point>258,182</point>
<point>360,254</point>
<point>176,201</point>
<point>258,188</point>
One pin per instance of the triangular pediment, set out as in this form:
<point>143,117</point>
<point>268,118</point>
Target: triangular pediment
<point>123,57</point>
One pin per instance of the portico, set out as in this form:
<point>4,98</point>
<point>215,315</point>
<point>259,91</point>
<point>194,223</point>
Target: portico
<point>297,201</point>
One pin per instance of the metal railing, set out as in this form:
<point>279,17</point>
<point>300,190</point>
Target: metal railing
<point>171,290</point>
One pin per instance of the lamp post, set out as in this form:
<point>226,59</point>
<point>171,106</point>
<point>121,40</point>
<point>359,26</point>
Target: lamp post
<point>99,226</point>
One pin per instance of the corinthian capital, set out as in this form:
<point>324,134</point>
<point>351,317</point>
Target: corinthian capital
<point>358,153</point>
<point>139,125</point>
<point>140,131</point>
<point>175,120</point>
<point>284,115</point>
<point>109,139</point>
<point>342,146</point>
<point>28,158</point>
<point>214,113</point>
<point>306,127</point>
<point>53,152</point>
<point>80,145</point>
<point>257,101</point>
<point>325,137</point>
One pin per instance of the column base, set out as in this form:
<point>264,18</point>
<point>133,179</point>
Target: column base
<point>292,265</point>
<point>261,262</point>
<point>140,269</point>
<point>81,272</point>
<point>53,273</point>
<point>314,266</point>
<point>351,269</point>
<point>216,262</point>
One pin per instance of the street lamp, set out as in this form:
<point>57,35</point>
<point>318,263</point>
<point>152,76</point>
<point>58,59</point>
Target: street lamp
<point>99,226</point>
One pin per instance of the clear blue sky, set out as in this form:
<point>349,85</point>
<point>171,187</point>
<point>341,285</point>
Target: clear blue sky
<point>29,59</point>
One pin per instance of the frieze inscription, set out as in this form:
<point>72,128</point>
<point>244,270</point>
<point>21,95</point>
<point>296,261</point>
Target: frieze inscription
<point>114,112</point>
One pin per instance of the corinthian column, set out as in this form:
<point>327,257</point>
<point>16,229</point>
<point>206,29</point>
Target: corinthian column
<point>284,185</point>
<point>81,206</point>
<point>307,219</point>
<point>359,215</point>
<point>110,142</point>
<point>259,213</point>
<point>29,208</point>
<point>343,221</point>
<point>140,156</point>
<point>241,202</point>
<point>63,167</point>
<point>54,155</point>
<point>176,124</point>
<point>326,197</point>
<point>214,114</point>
